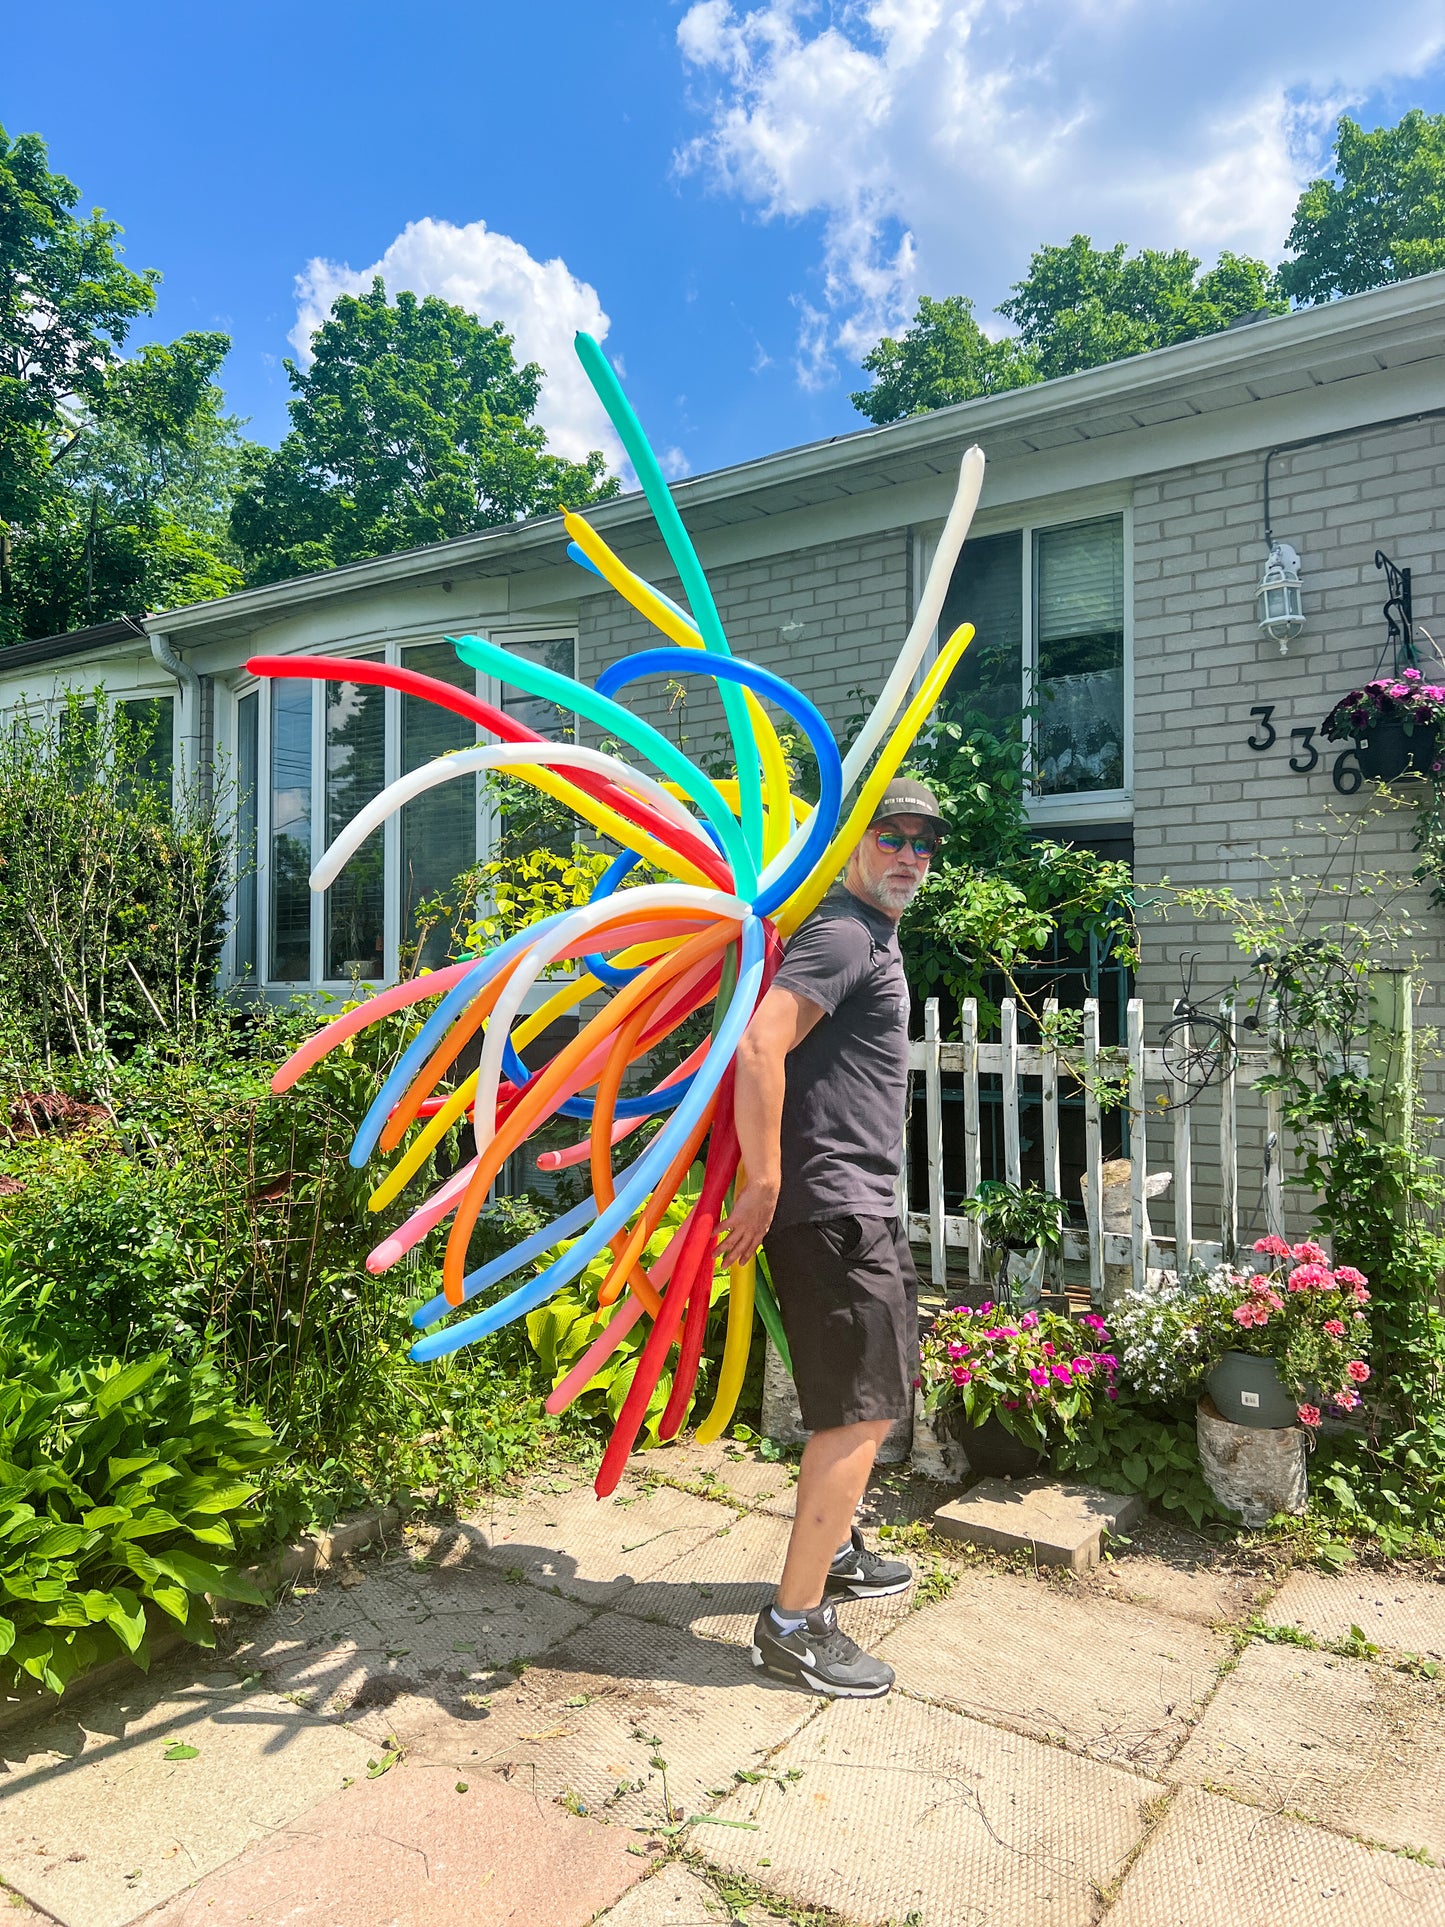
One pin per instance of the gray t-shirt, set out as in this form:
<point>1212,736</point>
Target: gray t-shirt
<point>847,1082</point>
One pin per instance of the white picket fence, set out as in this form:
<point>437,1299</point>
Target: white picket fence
<point>1194,1149</point>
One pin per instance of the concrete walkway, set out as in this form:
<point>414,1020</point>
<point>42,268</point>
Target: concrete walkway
<point>544,1713</point>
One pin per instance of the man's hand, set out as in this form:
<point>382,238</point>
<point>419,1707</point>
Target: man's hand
<point>747,1223</point>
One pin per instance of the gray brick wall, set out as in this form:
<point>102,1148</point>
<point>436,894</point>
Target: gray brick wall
<point>1207,807</point>
<point>852,598</point>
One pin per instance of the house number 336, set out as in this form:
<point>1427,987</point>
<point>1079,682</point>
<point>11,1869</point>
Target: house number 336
<point>1304,751</point>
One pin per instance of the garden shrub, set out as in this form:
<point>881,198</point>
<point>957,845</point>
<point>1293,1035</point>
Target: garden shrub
<point>111,891</point>
<point>127,1494</point>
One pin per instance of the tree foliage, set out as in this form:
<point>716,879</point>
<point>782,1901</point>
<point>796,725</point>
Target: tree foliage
<point>412,425</point>
<point>115,476</point>
<point>943,357</point>
<point>1079,306</point>
<point>1381,219</point>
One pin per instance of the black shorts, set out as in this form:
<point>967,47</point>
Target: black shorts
<point>849,1297</point>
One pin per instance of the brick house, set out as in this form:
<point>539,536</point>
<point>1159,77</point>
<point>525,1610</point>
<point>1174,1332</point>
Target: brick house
<point>1113,566</point>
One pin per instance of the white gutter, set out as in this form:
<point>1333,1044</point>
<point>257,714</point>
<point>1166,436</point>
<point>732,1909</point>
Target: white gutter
<point>188,729</point>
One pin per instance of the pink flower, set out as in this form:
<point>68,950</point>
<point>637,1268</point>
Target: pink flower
<point>1335,1327</point>
<point>1400,689</point>
<point>986,1307</point>
<point>1258,1285</point>
<point>961,1376</point>
<point>1273,1247</point>
<point>1063,1374</point>
<point>1038,1375</point>
<point>1360,1295</point>
<point>1310,1277</point>
<point>1308,1253</point>
<point>1083,1366</point>
<point>1029,1320</point>
<point>1250,1314</point>
<point>1047,1349</point>
<point>1309,1415</point>
<point>957,1349</point>
<point>1358,1370</point>
<point>1359,1317</point>
<point>1010,1405</point>
<point>1093,1321</point>
<point>1008,1331</point>
<point>1347,1401</point>
<point>1110,1392</point>
<point>1350,1279</point>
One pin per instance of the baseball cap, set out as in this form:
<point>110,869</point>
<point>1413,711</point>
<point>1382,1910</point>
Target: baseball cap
<point>906,796</point>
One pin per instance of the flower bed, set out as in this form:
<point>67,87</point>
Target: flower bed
<point>1038,1373</point>
<point>1292,1308</point>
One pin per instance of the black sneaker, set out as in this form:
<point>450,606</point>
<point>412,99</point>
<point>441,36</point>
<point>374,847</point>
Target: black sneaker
<point>820,1656</point>
<point>861,1574</point>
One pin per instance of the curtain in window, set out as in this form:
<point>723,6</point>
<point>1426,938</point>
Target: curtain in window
<point>1079,656</point>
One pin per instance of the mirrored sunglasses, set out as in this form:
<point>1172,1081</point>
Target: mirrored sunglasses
<point>892,841</point>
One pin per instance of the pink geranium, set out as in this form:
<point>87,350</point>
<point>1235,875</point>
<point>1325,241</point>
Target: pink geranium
<point>1335,1327</point>
<point>1273,1247</point>
<point>1307,1253</point>
<point>1358,1370</point>
<point>1310,1415</point>
<point>1310,1277</point>
<point>1347,1277</point>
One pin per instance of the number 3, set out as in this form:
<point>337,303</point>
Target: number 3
<point>1271,735</point>
<point>1306,749</point>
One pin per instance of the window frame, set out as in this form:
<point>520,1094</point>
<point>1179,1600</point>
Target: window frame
<point>1080,807</point>
<point>390,648</point>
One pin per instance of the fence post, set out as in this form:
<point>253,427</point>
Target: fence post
<point>968,1030</point>
<point>1274,1132</point>
<point>1392,1050</point>
<point>1138,1140</point>
<point>1228,1139</point>
<point>1183,1171</point>
<point>1009,1030</point>
<point>933,1107</point>
<point>1093,1153</point>
<point>1051,1098</point>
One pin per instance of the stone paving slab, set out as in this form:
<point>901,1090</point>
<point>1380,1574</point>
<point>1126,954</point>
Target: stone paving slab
<point>673,1897</point>
<point>410,1850</point>
<point>398,1630</point>
<point>585,1723</point>
<point>590,1549</point>
<point>1360,1748</point>
<point>1392,1610</point>
<point>1057,1524</point>
<point>724,1468</point>
<point>97,1826</point>
<point>718,1589</point>
<point>906,1810</point>
<point>1213,1595</point>
<point>1213,1860</point>
<point>1112,1681</point>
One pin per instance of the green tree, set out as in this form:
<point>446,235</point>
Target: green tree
<point>1381,219</point>
<point>1079,306</point>
<point>412,425</point>
<point>943,357</point>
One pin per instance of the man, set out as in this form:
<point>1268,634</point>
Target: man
<point>822,1076</point>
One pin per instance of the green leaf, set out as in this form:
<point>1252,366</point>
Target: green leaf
<point>128,1381</point>
<point>178,1750</point>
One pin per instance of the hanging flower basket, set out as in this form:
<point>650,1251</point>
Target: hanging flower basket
<point>1397,724</point>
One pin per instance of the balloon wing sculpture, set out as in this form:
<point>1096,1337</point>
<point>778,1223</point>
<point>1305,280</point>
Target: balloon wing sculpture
<point>732,867</point>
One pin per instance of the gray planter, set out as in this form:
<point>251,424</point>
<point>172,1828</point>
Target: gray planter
<point>1254,1471</point>
<point>1249,1391</point>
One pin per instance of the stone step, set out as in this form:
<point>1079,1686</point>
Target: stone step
<point>1061,1525</point>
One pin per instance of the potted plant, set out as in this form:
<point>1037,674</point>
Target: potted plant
<point>1272,1349</point>
<point>1014,1220</point>
<point>1395,724</point>
<point>1003,1384</point>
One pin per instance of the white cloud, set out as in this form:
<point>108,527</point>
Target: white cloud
<point>940,141</point>
<point>541,304</point>
<point>673,463</point>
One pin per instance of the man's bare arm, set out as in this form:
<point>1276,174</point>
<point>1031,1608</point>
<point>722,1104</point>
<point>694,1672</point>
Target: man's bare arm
<point>780,1023</point>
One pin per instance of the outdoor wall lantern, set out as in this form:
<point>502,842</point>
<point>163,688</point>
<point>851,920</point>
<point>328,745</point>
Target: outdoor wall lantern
<point>1278,601</point>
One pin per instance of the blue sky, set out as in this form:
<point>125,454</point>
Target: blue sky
<point>749,196</point>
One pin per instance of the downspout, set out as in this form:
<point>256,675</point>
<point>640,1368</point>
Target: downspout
<point>190,685</point>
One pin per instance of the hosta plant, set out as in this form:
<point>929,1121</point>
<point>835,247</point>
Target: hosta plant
<point>125,1496</point>
<point>1038,1373</point>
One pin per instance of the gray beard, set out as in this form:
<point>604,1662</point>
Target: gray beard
<point>892,898</point>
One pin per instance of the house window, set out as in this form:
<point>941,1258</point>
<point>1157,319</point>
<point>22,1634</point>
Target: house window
<point>289,843</point>
<point>151,736</point>
<point>321,752</point>
<point>1048,608</point>
<point>248,816</point>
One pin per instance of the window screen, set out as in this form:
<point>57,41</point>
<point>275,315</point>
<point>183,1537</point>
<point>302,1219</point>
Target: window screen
<point>987,590</point>
<point>290,832</point>
<point>248,776</point>
<point>438,830</point>
<point>1079,656</point>
<point>355,773</point>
